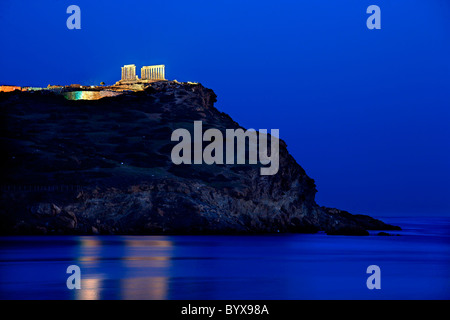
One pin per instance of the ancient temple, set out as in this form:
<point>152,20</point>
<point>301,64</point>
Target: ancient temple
<point>148,73</point>
<point>129,72</point>
<point>153,72</point>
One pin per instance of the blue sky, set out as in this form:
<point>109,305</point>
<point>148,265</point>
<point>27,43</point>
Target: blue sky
<point>365,112</point>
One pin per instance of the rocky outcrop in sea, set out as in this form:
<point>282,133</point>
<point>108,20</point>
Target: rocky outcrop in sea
<point>104,167</point>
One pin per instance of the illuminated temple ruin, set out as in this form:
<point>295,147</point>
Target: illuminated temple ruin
<point>148,73</point>
<point>129,72</point>
<point>153,72</point>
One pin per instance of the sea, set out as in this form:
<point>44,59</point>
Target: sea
<point>412,264</point>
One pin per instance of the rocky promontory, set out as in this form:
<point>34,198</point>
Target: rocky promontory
<point>104,167</point>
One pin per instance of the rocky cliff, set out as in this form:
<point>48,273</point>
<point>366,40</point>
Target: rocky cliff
<point>104,167</point>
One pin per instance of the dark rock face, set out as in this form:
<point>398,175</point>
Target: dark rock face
<point>104,167</point>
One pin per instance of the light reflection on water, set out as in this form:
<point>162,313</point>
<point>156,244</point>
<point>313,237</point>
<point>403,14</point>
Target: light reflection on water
<point>414,266</point>
<point>132,258</point>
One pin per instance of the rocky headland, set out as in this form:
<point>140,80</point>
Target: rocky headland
<point>104,167</point>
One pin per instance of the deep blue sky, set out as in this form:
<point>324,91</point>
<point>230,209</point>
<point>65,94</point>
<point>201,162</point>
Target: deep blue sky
<point>365,112</point>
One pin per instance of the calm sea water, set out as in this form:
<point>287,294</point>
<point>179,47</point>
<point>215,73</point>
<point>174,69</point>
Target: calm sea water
<point>415,265</point>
